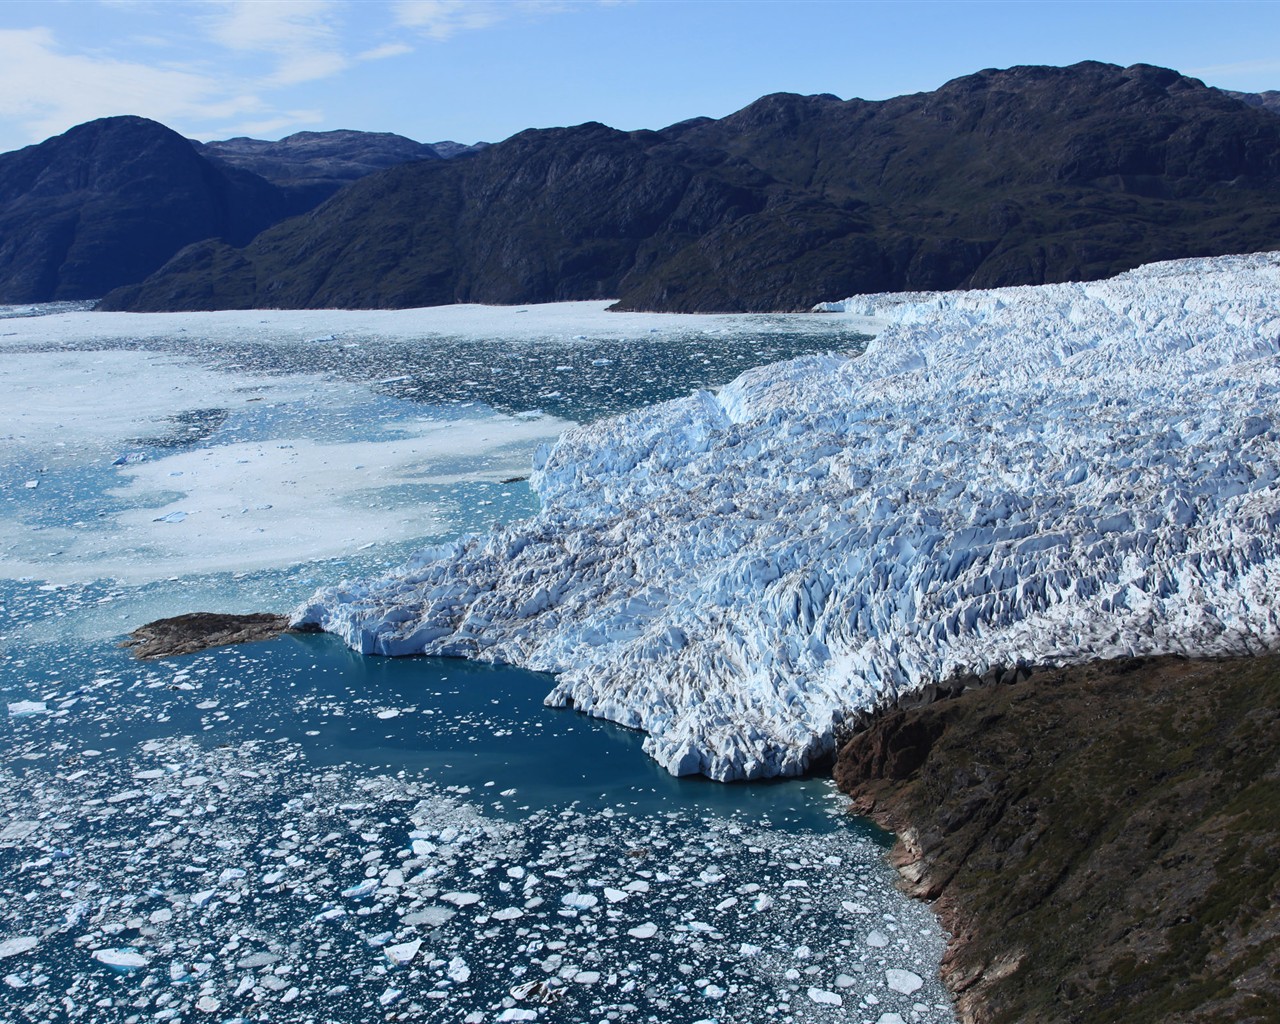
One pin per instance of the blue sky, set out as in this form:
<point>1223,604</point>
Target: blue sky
<point>474,70</point>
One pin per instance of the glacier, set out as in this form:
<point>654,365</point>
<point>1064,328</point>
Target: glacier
<point>1007,477</point>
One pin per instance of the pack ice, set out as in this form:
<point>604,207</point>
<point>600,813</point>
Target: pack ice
<point>1023,475</point>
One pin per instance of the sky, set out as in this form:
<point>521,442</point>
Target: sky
<point>482,70</point>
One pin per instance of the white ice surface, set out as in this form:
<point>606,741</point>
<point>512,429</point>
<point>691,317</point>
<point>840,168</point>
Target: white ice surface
<point>516,323</point>
<point>247,506</point>
<point>1024,475</point>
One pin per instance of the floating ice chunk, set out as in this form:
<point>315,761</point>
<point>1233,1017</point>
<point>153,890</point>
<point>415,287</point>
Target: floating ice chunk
<point>389,996</point>
<point>643,931</point>
<point>362,889</point>
<point>31,485</point>
<point>432,916</point>
<point>161,916</point>
<point>586,977</point>
<point>825,997</point>
<point>515,1013</point>
<point>763,902</point>
<point>890,1018</point>
<point>615,895</point>
<point>747,949</point>
<point>579,900</point>
<point>902,981</point>
<point>845,981</point>
<point>20,944</point>
<point>172,517</point>
<point>507,914</point>
<point>27,707</point>
<point>256,960</point>
<point>461,899</point>
<point>329,914</point>
<point>202,898</point>
<point>208,1004</point>
<point>458,970</point>
<point>123,961</point>
<point>229,874</point>
<point>403,953</point>
<point>877,938</point>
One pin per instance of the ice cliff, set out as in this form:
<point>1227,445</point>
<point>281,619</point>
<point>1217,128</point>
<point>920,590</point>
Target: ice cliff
<point>1036,475</point>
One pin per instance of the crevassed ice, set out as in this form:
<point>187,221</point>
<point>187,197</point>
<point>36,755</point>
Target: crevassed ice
<point>1035,475</point>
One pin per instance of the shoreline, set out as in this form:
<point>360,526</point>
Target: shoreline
<point>1116,867</point>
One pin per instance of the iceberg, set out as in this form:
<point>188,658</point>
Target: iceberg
<point>1007,477</point>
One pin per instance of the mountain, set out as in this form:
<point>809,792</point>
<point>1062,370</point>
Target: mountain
<point>314,165</point>
<point>110,201</point>
<point>1269,100</point>
<point>1020,176</point>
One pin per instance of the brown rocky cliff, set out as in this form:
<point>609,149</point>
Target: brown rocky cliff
<point>1103,842</point>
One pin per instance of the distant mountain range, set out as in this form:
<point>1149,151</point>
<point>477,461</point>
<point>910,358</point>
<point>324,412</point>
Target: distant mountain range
<point>109,202</point>
<point>1020,176</point>
<point>312,166</point>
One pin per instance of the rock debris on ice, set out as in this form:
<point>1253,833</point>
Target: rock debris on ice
<point>1021,475</point>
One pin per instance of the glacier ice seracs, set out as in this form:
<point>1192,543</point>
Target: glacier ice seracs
<point>1014,476</point>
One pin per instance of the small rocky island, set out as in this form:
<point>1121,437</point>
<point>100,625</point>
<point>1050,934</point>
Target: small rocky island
<point>1101,840</point>
<point>198,631</point>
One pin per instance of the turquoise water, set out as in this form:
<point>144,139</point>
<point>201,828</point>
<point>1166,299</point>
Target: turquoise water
<point>287,831</point>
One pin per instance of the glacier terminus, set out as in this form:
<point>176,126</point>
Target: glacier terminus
<point>1017,476</point>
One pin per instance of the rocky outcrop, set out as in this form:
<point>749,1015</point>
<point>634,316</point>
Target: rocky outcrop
<point>1023,176</point>
<point>198,631</point>
<point>1100,840</point>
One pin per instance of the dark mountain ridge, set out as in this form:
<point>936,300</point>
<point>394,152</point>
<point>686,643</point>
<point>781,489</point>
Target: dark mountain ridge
<point>108,202</point>
<point>1018,176</point>
<point>315,165</point>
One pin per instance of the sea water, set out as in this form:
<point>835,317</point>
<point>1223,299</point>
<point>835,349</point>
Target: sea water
<point>287,831</point>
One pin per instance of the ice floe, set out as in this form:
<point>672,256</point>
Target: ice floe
<point>1013,476</point>
<point>159,907</point>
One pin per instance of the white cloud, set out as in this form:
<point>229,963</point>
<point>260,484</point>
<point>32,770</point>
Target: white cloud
<point>300,36</point>
<point>443,19</point>
<point>46,91</point>
<point>440,19</point>
<point>383,52</point>
<point>1217,74</point>
<point>274,126</point>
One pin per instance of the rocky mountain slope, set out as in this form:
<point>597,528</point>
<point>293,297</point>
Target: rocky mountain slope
<point>110,201</point>
<point>1022,176</point>
<point>1101,840</point>
<point>1269,100</point>
<point>312,166</point>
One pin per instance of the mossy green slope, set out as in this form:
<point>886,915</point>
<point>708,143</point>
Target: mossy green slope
<point>1104,841</point>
